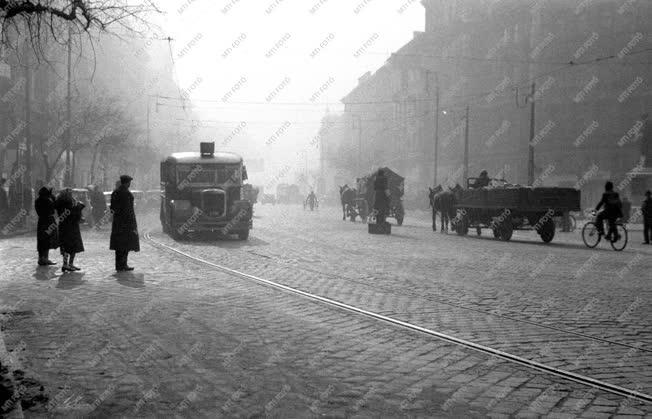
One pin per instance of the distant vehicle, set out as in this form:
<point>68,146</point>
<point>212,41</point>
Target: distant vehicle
<point>139,199</point>
<point>283,193</point>
<point>152,198</point>
<point>250,193</point>
<point>202,192</point>
<point>364,202</point>
<point>296,197</point>
<point>268,199</point>
<point>107,198</point>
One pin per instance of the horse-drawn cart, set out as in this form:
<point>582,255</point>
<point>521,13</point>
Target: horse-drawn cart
<point>506,208</point>
<point>363,203</point>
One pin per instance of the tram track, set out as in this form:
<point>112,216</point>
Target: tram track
<point>506,314</point>
<point>430,298</point>
<point>515,359</point>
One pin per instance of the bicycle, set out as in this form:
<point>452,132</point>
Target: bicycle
<point>592,237</point>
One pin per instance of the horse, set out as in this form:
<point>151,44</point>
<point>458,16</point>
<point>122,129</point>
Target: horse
<point>431,197</point>
<point>347,197</point>
<point>443,201</point>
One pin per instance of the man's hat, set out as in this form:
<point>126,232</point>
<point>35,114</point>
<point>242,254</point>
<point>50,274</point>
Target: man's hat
<point>648,192</point>
<point>125,178</point>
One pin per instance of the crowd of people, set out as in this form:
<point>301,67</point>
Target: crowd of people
<point>59,218</point>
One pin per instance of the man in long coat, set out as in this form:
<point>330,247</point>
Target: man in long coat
<point>124,230</point>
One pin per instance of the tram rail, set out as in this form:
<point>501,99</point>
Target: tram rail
<point>531,364</point>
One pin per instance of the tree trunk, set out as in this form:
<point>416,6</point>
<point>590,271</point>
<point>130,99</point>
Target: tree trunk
<point>95,151</point>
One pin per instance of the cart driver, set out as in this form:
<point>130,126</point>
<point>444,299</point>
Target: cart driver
<point>482,180</point>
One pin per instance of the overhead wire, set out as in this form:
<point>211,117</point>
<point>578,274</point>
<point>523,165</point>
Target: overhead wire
<point>523,83</point>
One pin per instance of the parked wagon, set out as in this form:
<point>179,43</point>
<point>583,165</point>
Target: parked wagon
<point>364,202</point>
<point>506,208</point>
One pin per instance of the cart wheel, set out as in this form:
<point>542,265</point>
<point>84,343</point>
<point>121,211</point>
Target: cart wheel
<point>495,232</point>
<point>505,230</point>
<point>243,235</point>
<point>547,231</point>
<point>462,228</point>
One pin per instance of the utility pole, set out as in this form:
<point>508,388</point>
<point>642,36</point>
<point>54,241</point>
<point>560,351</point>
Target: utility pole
<point>28,120</point>
<point>148,135</point>
<point>436,127</point>
<point>359,142</point>
<point>69,175</point>
<point>530,160</point>
<point>466,146</point>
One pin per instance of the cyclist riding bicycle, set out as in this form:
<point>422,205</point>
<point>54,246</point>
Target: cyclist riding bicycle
<point>611,212</point>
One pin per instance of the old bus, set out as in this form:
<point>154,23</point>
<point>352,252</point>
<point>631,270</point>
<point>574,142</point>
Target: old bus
<point>202,191</point>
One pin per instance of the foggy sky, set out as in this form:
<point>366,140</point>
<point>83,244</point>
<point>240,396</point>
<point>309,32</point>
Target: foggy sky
<point>287,50</point>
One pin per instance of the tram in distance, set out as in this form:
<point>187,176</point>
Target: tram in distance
<point>202,192</point>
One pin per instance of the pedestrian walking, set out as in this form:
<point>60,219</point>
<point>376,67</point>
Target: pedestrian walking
<point>47,232</point>
<point>124,230</point>
<point>70,240</point>
<point>646,209</point>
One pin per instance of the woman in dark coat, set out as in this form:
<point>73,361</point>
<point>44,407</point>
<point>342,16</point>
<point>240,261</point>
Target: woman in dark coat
<point>124,230</point>
<point>70,239</point>
<point>47,234</point>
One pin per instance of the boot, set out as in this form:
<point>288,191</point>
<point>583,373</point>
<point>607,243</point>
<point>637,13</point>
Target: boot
<point>46,258</point>
<point>65,267</point>
<point>71,265</point>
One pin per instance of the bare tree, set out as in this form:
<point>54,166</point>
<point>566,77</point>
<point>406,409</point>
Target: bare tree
<point>101,124</point>
<point>41,21</point>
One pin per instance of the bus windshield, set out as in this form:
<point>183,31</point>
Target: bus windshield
<point>208,175</point>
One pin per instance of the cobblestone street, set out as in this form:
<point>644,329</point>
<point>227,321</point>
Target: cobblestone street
<point>179,338</point>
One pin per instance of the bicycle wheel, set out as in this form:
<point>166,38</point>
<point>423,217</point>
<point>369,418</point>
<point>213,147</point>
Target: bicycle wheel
<point>622,240</point>
<point>590,234</point>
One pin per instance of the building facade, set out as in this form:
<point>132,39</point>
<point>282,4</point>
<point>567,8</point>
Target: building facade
<point>587,66</point>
